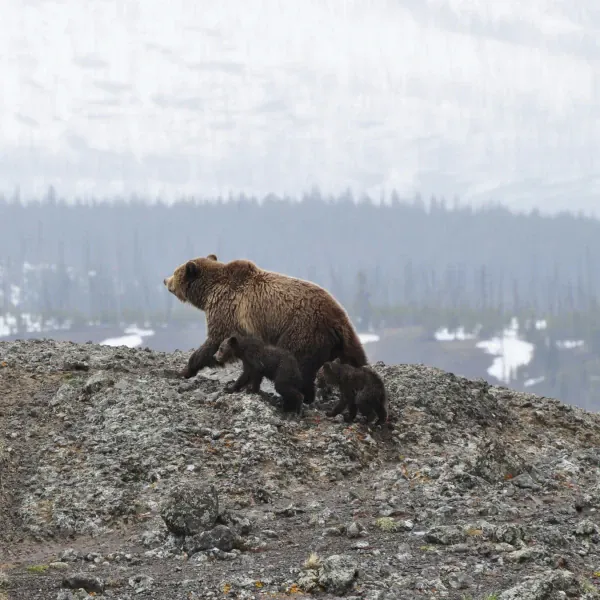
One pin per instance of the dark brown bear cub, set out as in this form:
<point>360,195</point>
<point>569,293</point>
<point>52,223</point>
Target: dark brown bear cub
<point>361,389</point>
<point>260,360</point>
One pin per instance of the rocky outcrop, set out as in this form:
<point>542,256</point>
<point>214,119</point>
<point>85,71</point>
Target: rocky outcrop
<point>116,473</point>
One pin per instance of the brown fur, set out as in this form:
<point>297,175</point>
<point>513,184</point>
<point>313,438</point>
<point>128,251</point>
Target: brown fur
<point>283,311</point>
<point>361,390</point>
<point>261,360</point>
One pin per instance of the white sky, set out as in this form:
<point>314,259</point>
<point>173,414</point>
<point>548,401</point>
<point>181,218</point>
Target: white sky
<point>204,97</point>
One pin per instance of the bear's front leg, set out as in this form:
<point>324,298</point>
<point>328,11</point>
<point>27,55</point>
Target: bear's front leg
<point>339,407</point>
<point>241,381</point>
<point>203,357</point>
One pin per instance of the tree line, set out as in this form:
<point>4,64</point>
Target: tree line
<point>96,257</point>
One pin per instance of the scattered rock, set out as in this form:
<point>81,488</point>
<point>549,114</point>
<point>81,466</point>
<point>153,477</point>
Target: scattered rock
<point>445,535</point>
<point>546,586</point>
<point>97,382</point>
<point>191,509</point>
<point>586,527</point>
<point>86,582</point>
<point>141,583</point>
<point>220,537</point>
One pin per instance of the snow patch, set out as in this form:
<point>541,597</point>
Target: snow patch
<point>8,324</point>
<point>15,295</point>
<point>445,335</point>
<point>569,344</point>
<point>533,381</point>
<point>133,338</point>
<point>510,352</point>
<point>29,323</point>
<point>366,338</point>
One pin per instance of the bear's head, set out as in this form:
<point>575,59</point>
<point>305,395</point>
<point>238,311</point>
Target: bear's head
<point>190,280</point>
<point>332,371</point>
<point>227,351</point>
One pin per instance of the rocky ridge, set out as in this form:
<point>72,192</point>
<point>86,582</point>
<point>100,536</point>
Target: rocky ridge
<point>120,480</point>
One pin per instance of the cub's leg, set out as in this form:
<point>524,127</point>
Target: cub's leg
<point>242,380</point>
<point>290,394</point>
<point>340,406</point>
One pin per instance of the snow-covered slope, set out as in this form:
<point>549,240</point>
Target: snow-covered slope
<point>484,99</point>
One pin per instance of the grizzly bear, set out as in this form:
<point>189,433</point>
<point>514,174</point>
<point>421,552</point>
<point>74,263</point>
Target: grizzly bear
<point>360,389</point>
<point>261,360</point>
<point>282,311</point>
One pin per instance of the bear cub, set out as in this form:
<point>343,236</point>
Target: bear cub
<point>261,360</point>
<point>361,389</point>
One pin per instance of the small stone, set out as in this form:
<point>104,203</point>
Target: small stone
<point>353,530</point>
<point>88,583</point>
<point>525,481</point>
<point>586,528</point>
<point>69,555</point>
<point>58,566</point>
<point>445,535</point>
<point>141,583</point>
<point>97,382</point>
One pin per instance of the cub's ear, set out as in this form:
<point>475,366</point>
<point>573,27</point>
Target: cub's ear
<point>191,270</point>
<point>212,257</point>
<point>337,361</point>
<point>233,341</point>
<point>326,367</point>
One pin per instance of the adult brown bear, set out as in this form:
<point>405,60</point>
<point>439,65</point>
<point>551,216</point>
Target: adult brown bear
<point>283,311</point>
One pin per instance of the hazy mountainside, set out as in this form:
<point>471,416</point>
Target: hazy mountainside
<point>447,97</point>
<point>125,480</point>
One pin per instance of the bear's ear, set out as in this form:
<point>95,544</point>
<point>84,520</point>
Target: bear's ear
<point>191,270</point>
<point>337,361</point>
<point>233,341</point>
<point>212,257</point>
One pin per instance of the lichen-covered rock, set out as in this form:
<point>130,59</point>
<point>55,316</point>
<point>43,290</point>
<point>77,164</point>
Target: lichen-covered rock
<point>338,573</point>
<point>551,585</point>
<point>191,508</point>
<point>97,382</point>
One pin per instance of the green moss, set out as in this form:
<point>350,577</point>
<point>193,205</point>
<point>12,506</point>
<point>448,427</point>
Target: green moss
<point>37,569</point>
<point>386,524</point>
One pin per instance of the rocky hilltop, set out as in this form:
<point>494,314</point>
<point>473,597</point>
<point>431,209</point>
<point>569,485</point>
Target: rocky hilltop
<point>120,480</point>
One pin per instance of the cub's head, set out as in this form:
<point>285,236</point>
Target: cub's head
<point>227,351</point>
<point>190,280</point>
<point>332,371</point>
